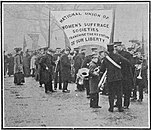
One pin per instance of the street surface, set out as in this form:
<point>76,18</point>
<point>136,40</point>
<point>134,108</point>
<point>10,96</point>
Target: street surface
<point>28,106</point>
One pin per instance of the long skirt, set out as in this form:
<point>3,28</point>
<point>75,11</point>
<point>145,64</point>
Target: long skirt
<point>19,78</point>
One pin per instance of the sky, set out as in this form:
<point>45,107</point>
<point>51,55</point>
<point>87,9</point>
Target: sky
<point>128,26</point>
<point>129,19</point>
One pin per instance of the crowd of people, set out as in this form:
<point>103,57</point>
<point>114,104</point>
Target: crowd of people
<point>125,72</point>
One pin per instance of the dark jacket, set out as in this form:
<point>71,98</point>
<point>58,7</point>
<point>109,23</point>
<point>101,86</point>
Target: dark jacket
<point>55,57</point>
<point>78,60</point>
<point>127,68</point>
<point>11,65</point>
<point>46,75</point>
<point>86,61</point>
<point>113,73</point>
<point>65,67</point>
<point>93,79</point>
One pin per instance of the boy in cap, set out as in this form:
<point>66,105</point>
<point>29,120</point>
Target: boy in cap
<point>93,82</point>
<point>85,64</point>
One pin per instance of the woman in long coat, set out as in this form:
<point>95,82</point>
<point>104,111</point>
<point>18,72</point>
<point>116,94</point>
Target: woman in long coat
<point>18,68</point>
<point>10,65</point>
<point>65,70</point>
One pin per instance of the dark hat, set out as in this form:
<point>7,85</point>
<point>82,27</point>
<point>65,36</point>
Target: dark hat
<point>9,54</point>
<point>17,49</point>
<point>58,48</point>
<point>77,48</point>
<point>43,48</point>
<point>51,50</point>
<point>94,48</point>
<point>62,51</point>
<point>101,51</point>
<point>68,49</point>
<point>83,49</point>
<point>129,48</point>
<point>110,47</point>
<point>117,43</point>
<point>138,43</point>
<point>95,56</point>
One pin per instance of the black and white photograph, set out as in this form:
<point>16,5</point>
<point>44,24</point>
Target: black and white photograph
<point>75,64</point>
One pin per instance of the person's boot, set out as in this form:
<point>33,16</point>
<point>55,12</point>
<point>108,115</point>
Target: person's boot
<point>121,109</point>
<point>110,109</point>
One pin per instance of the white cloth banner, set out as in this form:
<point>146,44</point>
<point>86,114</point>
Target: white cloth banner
<point>86,27</point>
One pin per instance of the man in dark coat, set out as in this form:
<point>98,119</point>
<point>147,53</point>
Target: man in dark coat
<point>114,77</point>
<point>93,82</point>
<point>47,63</point>
<point>10,65</point>
<point>78,60</point>
<point>127,81</point>
<point>65,69</point>
<point>57,70</point>
<point>38,67</point>
<point>26,64</point>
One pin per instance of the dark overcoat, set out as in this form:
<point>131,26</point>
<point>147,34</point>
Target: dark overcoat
<point>65,67</point>
<point>127,68</point>
<point>93,79</point>
<point>26,65</point>
<point>113,73</point>
<point>11,65</point>
<point>78,60</point>
<point>46,75</point>
<point>55,57</point>
<point>86,61</point>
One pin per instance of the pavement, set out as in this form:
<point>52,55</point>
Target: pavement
<point>28,106</point>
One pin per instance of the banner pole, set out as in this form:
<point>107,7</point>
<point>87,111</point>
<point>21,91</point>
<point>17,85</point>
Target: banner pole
<point>113,27</point>
<point>49,31</point>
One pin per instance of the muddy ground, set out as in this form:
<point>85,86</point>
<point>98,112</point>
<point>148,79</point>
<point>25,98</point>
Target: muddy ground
<point>28,106</point>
